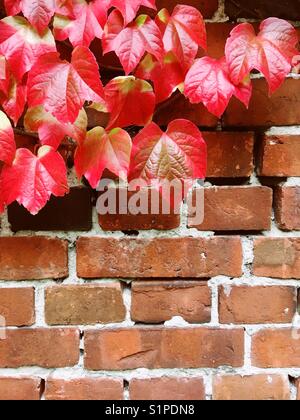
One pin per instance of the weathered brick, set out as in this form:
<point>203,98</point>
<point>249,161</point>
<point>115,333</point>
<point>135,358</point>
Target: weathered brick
<point>298,388</point>
<point>159,258</point>
<point>234,208</point>
<point>180,107</point>
<point>217,35</point>
<point>277,258</point>
<point>88,304</point>
<point>276,348</point>
<point>156,302</point>
<point>17,306</point>
<point>84,389</point>
<point>163,348</point>
<point>70,213</point>
<point>20,389</point>
<point>262,9</point>
<point>279,156</point>
<point>167,388</point>
<point>230,155</point>
<point>48,348</point>
<point>115,220</point>
<point>33,258</point>
<point>282,108</point>
<point>206,7</point>
<point>287,207</point>
<point>257,305</point>
<point>251,388</point>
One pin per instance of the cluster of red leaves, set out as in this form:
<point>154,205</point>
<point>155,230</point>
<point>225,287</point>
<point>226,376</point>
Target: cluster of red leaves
<point>158,56</point>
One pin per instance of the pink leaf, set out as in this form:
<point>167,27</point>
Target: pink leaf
<point>13,7</point>
<point>7,140</point>
<point>38,12</point>
<point>131,43</point>
<point>130,101</point>
<point>101,150</point>
<point>130,8</point>
<point>183,32</point>
<point>14,101</point>
<point>22,45</point>
<point>63,87</point>
<point>31,179</point>
<point>271,52</point>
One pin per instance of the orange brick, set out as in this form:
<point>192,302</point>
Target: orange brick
<point>159,389</point>
<point>163,348</point>
<point>33,258</point>
<point>251,388</point>
<point>20,389</point>
<point>159,258</point>
<point>287,207</point>
<point>84,389</point>
<point>156,302</point>
<point>257,305</point>
<point>48,348</point>
<point>17,306</point>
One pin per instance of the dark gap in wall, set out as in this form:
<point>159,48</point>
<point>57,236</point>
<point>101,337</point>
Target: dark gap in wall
<point>219,182</point>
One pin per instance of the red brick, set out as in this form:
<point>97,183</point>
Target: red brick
<point>88,304</point>
<point>115,221</point>
<point>262,9</point>
<point>17,306</point>
<point>180,107</point>
<point>287,207</point>
<point>276,348</point>
<point>251,388</point>
<point>48,348</point>
<point>172,389</point>
<point>217,35</point>
<point>33,258</point>
<point>20,389</point>
<point>163,348</point>
<point>264,111</point>
<point>279,156</point>
<point>277,258</point>
<point>234,208</point>
<point>230,155</point>
<point>159,258</point>
<point>84,389</point>
<point>257,305</point>
<point>298,388</point>
<point>206,7</point>
<point>156,302</point>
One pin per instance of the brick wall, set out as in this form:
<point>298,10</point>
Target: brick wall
<point>157,307</point>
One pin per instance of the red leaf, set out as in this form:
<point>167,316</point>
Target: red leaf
<point>131,43</point>
<point>31,179</point>
<point>7,140</point>
<point>183,32</point>
<point>63,87</point>
<point>4,76</point>
<point>271,51</point>
<point>208,82</point>
<point>83,25</point>
<point>21,44</point>
<point>178,154</point>
<point>14,101</point>
<point>51,131</point>
<point>102,150</point>
<point>13,7</point>
<point>130,8</point>
<point>130,101</point>
<point>38,12</point>
<point>167,75</point>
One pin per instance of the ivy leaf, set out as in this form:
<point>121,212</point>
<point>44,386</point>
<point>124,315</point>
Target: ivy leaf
<point>22,45</point>
<point>51,131</point>
<point>4,76</point>
<point>13,102</point>
<point>83,25</point>
<point>131,43</point>
<point>13,7</point>
<point>130,8</point>
<point>183,32</point>
<point>7,140</point>
<point>208,82</point>
<point>167,75</point>
<point>130,101</point>
<point>271,52</point>
<point>101,150</point>
<point>31,180</point>
<point>158,157</point>
<point>63,87</point>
